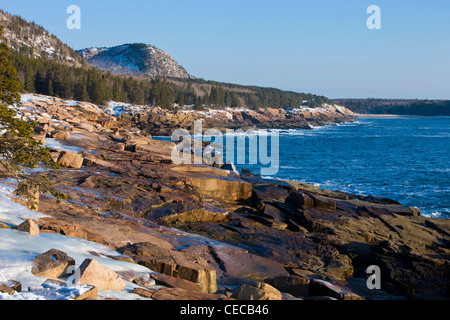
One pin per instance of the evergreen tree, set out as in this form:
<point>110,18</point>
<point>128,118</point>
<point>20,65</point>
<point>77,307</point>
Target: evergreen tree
<point>228,98</point>
<point>80,91</point>
<point>39,82</point>
<point>180,99</point>
<point>235,101</point>
<point>18,150</point>
<point>28,84</point>
<point>118,92</point>
<point>135,92</point>
<point>96,88</point>
<point>206,100</point>
<point>49,85</point>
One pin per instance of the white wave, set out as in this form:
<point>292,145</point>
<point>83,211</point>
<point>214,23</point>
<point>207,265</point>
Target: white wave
<point>436,214</point>
<point>444,135</point>
<point>288,167</point>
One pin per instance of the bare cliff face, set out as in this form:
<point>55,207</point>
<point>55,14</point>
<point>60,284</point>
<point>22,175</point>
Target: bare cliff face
<point>134,59</point>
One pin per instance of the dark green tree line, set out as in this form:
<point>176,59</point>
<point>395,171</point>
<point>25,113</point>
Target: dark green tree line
<point>48,77</point>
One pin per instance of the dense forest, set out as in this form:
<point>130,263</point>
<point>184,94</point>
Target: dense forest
<point>86,83</point>
<point>262,97</point>
<point>48,77</point>
<point>398,106</point>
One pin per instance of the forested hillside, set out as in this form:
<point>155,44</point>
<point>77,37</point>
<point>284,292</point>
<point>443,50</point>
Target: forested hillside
<point>398,106</point>
<point>135,59</point>
<point>47,66</point>
<point>45,76</point>
<point>34,41</point>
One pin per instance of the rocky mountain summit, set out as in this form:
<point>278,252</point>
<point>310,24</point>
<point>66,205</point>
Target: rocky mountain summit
<point>135,59</point>
<point>146,228</point>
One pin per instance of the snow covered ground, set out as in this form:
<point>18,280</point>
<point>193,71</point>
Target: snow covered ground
<point>12,211</point>
<point>18,249</point>
<point>29,97</point>
<point>210,113</point>
<point>115,108</point>
<point>58,145</point>
<point>323,109</point>
<point>24,98</point>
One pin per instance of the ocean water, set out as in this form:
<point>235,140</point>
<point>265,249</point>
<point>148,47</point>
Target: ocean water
<point>406,159</point>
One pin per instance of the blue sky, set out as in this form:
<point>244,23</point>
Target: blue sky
<point>317,46</point>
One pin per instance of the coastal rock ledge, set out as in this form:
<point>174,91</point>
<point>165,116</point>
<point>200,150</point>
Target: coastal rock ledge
<point>278,229</point>
<point>209,233</point>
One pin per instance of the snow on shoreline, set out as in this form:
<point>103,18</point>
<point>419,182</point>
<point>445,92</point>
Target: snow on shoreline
<point>33,97</point>
<point>18,249</point>
<point>12,211</point>
<point>58,145</point>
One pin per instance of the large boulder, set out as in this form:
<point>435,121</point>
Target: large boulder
<point>52,264</point>
<point>10,287</point>
<point>70,160</point>
<point>61,135</point>
<point>29,226</point>
<point>103,278</point>
<point>178,264</point>
<point>216,183</point>
<point>257,291</point>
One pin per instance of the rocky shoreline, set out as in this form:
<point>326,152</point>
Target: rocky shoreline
<point>206,233</point>
<point>161,122</point>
